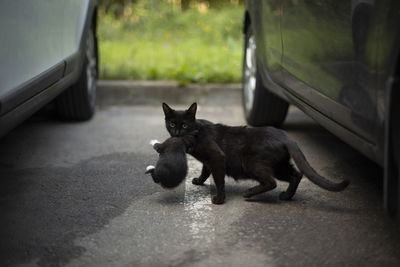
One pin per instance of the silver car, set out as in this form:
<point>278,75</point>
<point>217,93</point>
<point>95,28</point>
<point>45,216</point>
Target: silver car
<point>48,51</point>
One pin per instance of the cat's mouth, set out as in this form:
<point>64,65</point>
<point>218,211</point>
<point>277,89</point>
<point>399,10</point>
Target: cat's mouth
<point>176,134</point>
<point>183,133</point>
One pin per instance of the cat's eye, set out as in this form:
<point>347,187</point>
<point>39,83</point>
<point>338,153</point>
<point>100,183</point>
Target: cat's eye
<point>171,124</point>
<point>184,126</point>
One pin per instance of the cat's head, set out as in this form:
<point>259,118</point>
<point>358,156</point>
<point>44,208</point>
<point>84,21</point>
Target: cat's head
<point>180,122</point>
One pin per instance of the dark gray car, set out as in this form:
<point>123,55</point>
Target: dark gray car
<point>48,51</point>
<point>338,62</point>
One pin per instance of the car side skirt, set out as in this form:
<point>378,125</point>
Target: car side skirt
<point>15,116</point>
<point>368,149</point>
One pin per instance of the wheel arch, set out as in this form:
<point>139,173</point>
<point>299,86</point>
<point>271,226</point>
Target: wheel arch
<point>246,21</point>
<point>94,21</point>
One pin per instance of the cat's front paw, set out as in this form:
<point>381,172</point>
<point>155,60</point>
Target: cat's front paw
<point>285,196</point>
<point>197,181</point>
<point>218,199</point>
<point>154,141</point>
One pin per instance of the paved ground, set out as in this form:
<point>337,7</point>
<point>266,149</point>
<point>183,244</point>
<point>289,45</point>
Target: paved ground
<point>76,194</point>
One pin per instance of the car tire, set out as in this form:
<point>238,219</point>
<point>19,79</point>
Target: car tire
<point>261,107</point>
<point>78,102</point>
<point>392,157</point>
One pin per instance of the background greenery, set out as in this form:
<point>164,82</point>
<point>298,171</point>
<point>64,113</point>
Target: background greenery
<point>188,41</point>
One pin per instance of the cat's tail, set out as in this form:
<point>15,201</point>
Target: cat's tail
<point>307,170</point>
<point>150,169</point>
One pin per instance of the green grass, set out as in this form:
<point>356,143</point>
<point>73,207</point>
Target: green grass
<point>159,42</point>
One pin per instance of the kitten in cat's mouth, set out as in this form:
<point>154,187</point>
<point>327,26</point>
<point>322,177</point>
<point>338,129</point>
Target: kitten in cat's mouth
<point>171,168</point>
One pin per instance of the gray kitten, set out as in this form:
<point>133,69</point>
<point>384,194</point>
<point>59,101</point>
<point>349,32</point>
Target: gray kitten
<point>171,167</point>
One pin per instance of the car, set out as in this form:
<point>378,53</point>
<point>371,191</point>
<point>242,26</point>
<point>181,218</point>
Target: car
<point>338,61</point>
<point>48,53</point>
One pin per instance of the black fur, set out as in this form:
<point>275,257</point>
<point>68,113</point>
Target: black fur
<point>171,167</point>
<point>244,153</point>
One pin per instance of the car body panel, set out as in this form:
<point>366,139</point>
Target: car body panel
<point>23,111</point>
<point>37,36</point>
<point>330,60</point>
<point>336,63</point>
<point>41,55</point>
<point>269,49</point>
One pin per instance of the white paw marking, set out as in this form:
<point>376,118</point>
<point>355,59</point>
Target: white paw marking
<point>154,141</point>
<point>150,167</point>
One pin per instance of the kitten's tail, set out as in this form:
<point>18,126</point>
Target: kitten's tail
<point>312,175</point>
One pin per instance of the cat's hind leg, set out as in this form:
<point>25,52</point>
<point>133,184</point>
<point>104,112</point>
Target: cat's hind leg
<point>264,176</point>
<point>258,189</point>
<point>288,173</point>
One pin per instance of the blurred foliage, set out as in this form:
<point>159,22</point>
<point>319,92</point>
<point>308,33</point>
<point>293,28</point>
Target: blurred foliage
<point>116,7</point>
<point>159,40</point>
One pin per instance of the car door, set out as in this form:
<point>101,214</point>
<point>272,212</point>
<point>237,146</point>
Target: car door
<point>329,55</point>
<point>36,39</point>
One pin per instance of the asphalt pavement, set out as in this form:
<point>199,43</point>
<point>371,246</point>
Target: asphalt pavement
<point>75,194</point>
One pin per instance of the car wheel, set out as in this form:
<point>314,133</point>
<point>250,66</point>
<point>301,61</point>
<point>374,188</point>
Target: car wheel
<point>392,157</point>
<point>261,107</point>
<point>78,102</point>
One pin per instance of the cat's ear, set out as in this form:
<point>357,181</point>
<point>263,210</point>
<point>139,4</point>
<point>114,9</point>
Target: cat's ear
<point>192,110</point>
<point>167,110</point>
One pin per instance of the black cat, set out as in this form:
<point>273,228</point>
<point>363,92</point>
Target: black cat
<point>260,153</point>
<point>171,167</point>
